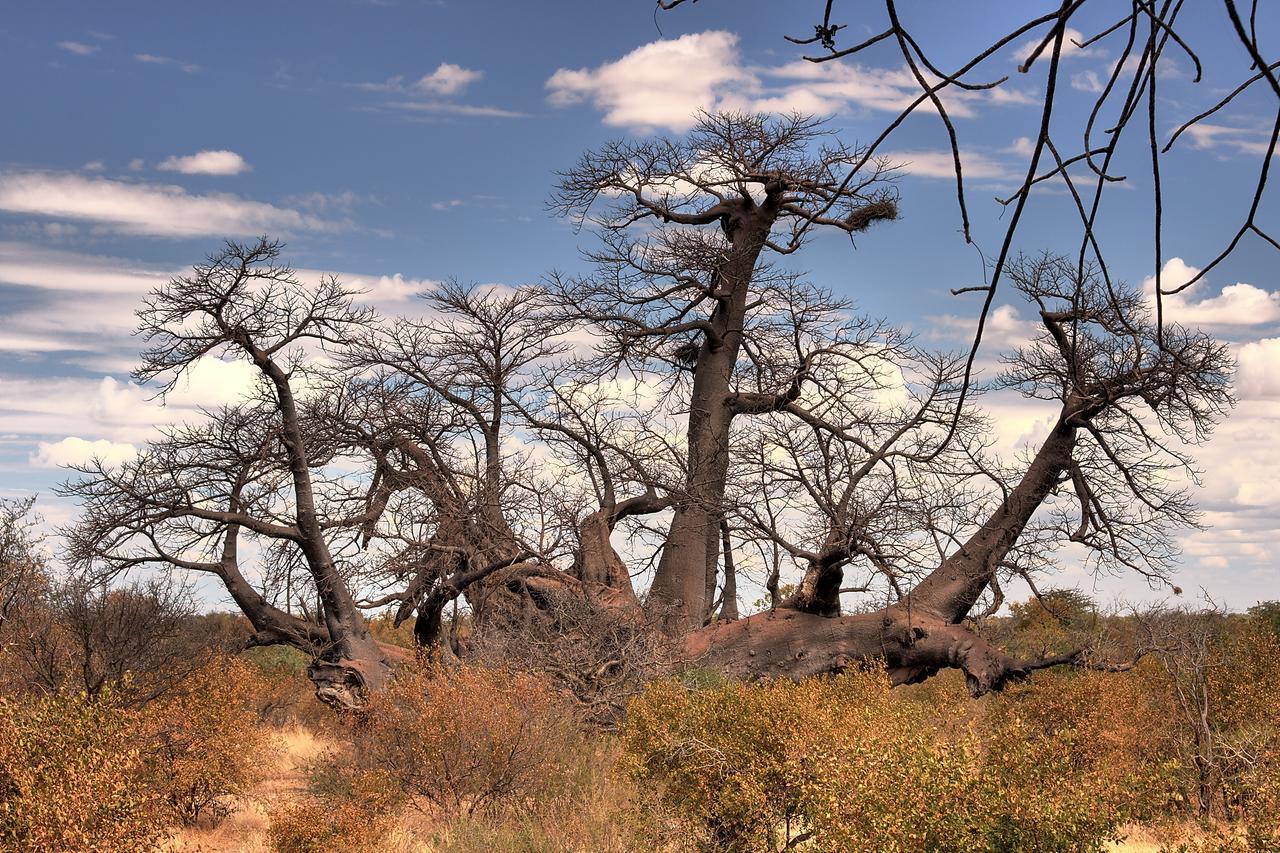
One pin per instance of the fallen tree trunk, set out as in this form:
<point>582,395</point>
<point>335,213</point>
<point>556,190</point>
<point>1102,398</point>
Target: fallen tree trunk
<point>790,644</point>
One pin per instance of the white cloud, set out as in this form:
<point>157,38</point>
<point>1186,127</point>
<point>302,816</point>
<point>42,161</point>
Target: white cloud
<point>73,450</point>
<point>1258,370</point>
<point>219,162</point>
<point>151,209</point>
<point>1022,146</point>
<point>448,79</point>
<point>1242,140</point>
<point>939,164</point>
<point>451,109</point>
<point>1069,50</point>
<point>152,59</point>
<point>424,96</point>
<point>664,83</point>
<point>1237,304</point>
<point>94,166</point>
<point>33,266</point>
<point>78,48</point>
<point>212,382</point>
<point>1087,81</point>
<point>660,84</point>
<point>1005,329</point>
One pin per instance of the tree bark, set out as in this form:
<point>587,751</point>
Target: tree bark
<point>686,577</point>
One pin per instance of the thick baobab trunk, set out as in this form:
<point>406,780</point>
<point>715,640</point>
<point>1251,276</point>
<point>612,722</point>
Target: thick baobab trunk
<point>686,577</point>
<point>596,562</point>
<point>915,637</point>
<point>789,644</point>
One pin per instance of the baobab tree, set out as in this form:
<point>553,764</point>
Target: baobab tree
<point>484,452</point>
<point>736,187</point>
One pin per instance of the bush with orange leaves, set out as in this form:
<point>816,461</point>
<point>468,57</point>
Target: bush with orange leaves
<point>93,773</point>
<point>354,812</point>
<point>472,739</point>
<point>202,742</point>
<point>843,764</point>
<point>71,777</point>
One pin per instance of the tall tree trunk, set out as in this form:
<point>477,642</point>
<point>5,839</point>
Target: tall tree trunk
<point>685,580</point>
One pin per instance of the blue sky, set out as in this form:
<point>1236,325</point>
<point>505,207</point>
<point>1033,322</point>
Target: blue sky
<point>399,142</point>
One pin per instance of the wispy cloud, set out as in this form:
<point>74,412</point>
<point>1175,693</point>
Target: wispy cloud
<point>445,108</point>
<point>940,164</point>
<point>153,59</point>
<point>1226,139</point>
<point>146,209</point>
<point>78,48</point>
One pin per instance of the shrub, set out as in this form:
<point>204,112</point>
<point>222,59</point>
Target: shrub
<point>841,763</point>
<point>71,778</point>
<point>355,814</point>
<point>473,739</point>
<point>202,744</point>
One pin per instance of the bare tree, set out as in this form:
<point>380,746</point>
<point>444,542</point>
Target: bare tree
<point>254,470</point>
<point>686,293</point>
<point>1149,40</point>
<point>486,457</point>
<point>21,563</point>
<point>139,640</point>
<point>1127,401</point>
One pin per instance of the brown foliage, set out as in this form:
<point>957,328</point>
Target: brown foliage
<point>202,744</point>
<point>355,814</point>
<point>472,740</point>
<point>70,778</point>
<point>844,764</point>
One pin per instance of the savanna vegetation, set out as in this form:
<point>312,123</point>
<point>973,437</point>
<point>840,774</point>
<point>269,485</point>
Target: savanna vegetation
<point>503,542</point>
<point>207,748</point>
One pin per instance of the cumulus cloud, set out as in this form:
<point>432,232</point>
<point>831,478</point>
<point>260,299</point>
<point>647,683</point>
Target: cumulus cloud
<point>1258,370</point>
<point>212,382</point>
<point>1237,304</point>
<point>145,209</point>
<point>219,162</point>
<point>1070,50</point>
<point>664,83</point>
<point>448,79</point>
<point>74,450</point>
<point>1004,330</point>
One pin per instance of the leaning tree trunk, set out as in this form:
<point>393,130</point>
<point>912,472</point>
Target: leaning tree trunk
<point>917,636</point>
